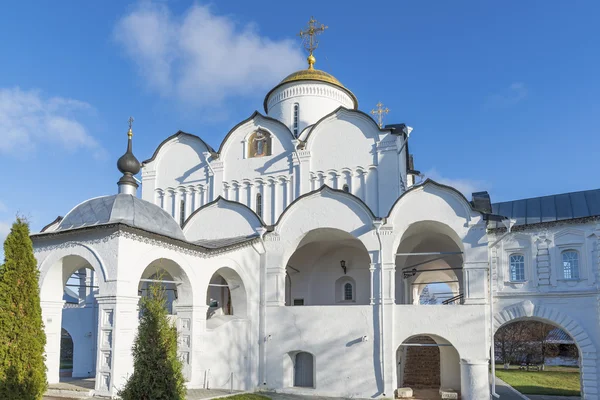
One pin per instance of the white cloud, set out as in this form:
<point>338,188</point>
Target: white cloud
<point>465,186</point>
<point>4,231</point>
<point>28,119</point>
<point>513,94</point>
<point>202,57</point>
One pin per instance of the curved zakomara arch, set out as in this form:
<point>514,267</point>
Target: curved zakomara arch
<point>233,203</point>
<point>233,274</point>
<point>175,265</point>
<point>255,115</point>
<point>51,271</point>
<point>174,136</point>
<point>349,214</point>
<point>217,154</point>
<point>452,210</point>
<point>343,110</point>
<point>527,310</point>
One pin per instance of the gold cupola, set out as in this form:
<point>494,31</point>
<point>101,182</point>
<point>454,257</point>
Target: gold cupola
<point>309,37</point>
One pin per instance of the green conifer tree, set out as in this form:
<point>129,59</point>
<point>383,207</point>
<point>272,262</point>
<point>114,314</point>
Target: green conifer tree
<point>22,336</point>
<point>157,370</point>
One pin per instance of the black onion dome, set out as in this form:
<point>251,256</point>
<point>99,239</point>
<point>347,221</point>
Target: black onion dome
<point>127,163</point>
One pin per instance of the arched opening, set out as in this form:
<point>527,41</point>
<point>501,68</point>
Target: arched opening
<point>172,278</point>
<point>71,332</point>
<point>438,293</point>
<point>429,254</point>
<point>540,353</point>
<point>66,354</point>
<point>225,297</point>
<point>325,261</point>
<point>427,364</point>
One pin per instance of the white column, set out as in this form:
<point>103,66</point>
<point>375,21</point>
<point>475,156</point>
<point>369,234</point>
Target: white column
<point>389,290</point>
<point>289,190</point>
<point>321,180</point>
<point>170,206</point>
<point>474,379</point>
<point>252,196</point>
<point>52,318</point>
<point>198,197</point>
<point>236,192</point>
<point>226,190</point>
<point>313,182</point>
<point>117,325</point>
<point>273,200</point>
<point>372,195</point>
<point>267,203</point>
<point>276,200</point>
<point>372,276</point>
<point>189,201</point>
<point>283,194</point>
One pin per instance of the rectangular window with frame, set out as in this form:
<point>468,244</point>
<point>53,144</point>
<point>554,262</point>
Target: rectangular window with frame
<point>517,268</point>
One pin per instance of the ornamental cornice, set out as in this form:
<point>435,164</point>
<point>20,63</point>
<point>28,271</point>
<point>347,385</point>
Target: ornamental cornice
<point>387,145</point>
<point>320,89</point>
<point>135,234</point>
<point>304,153</point>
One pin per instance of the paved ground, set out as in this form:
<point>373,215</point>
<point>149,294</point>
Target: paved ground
<point>542,397</point>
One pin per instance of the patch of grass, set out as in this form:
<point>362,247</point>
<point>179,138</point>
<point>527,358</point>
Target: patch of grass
<point>555,381</point>
<point>248,396</point>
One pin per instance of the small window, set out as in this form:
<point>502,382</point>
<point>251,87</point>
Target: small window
<point>298,302</point>
<point>570,260</point>
<point>517,268</point>
<point>296,118</point>
<point>345,188</point>
<point>181,212</point>
<point>259,205</point>
<point>348,292</point>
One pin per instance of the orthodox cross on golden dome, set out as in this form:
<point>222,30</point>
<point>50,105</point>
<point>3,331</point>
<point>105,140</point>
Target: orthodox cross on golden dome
<point>380,112</point>
<point>309,39</point>
<point>130,132</point>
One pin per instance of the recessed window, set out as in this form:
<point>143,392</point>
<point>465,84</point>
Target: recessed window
<point>181,212</point>
<point>517,268</point>
<point>296,118</point>
<point>298,302</point>
<point>348,292</point>
<point>570,262</point>
<point>259,205</point>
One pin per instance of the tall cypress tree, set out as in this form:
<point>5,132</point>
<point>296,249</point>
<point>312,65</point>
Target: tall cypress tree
<point>22,336</point>
<point>157,370</point>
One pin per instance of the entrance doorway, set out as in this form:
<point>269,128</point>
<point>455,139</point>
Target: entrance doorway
<point>304,370</point>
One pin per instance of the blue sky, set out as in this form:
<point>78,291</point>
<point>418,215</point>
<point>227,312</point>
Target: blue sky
<point>502,96</point>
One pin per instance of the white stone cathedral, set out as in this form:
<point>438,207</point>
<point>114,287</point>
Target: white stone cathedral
<point>295,254</point>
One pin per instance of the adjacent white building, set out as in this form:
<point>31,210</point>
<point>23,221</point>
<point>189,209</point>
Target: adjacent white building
<point>294,256</point>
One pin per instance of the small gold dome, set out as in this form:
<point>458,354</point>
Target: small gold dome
<point>312,74</point>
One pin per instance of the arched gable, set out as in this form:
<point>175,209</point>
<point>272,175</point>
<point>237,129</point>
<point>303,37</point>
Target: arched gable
<point>431,201</point>
<point>235,154</point>
<point>233,219</point>
<point>52,277</point>
<point>179,160</point>
<point>326,208</point>
<point>354,136</point>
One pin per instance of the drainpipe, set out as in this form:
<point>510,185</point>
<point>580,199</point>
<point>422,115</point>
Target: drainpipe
<point>508,223</point>
<point>377,224</point>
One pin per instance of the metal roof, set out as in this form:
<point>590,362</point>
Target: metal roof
<point>122,208</point>
<point>552,208</point>
<point>225,242</point>
<point>559,336</point>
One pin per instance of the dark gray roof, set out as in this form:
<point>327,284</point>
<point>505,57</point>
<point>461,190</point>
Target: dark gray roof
<point>218,243</point>
<point>122,208</point>
<point>552,208</point>
<point>557,335</point>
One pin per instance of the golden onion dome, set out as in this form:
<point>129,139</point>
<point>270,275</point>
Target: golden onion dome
<point>312,74</point>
